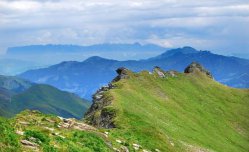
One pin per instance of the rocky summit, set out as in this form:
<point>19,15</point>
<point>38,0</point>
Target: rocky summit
<point>194,67</point>
<point>122,72</point>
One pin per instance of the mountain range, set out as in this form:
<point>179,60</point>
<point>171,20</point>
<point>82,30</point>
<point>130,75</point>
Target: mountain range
<point>145,111</point>
<point>22,58</point>
<point>84,78</point>
<point>17,95</point>
<point>59,53</point>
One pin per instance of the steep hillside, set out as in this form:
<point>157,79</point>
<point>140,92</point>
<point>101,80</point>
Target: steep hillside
<point>17,95</point>
<point>170,111</point>
<point>5,97</point>
<point>14,84</point>
<point>48,99</point>
<point>78,77</point>
<point>10,86</point>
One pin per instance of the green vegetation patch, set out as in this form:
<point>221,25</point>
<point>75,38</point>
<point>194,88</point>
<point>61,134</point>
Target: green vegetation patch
<point>9,141</point>
<point>187,112</point>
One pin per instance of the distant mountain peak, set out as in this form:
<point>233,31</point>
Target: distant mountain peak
<point>194,67</point>
<point>183,50</point>
<point>96,59</point>
<point>64,65</point>
<point>189,48</point>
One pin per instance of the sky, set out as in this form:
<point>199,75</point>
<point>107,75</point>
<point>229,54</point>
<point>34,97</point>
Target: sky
<point>221,26</point>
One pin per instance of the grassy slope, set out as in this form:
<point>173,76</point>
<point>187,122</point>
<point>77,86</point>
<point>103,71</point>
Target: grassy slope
<point>9,141</point>
<point>185,113</point>
<point>48,99</point>
<point>48,136</point>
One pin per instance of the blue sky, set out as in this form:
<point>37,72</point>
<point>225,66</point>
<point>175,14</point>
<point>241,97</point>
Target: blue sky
<point>221,26</point>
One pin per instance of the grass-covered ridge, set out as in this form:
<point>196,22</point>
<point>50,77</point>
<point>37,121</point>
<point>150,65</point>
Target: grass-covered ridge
<point>179,112</point>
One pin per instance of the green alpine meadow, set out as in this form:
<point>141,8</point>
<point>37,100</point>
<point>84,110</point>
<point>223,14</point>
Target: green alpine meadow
<point>156,111</point>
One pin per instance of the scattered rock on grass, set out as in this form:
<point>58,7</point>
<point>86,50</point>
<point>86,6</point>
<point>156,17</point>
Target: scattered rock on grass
<point>24,123</point>
<point>106,132</point>
<point>116,150</point>
<point>159,72</point>
<point>50,129</point>
<point>20,132</point>
<point>136,146</point>
<point>124,149</point>
<point>28,143</point>
<point>118,141</point>
<point>172,144</point>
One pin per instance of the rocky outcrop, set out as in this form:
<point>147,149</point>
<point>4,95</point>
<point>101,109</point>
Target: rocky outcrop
<point>171,73</point>
<point>30,145</point>
<point>100,113</point>
<point>194,67</point>
<point>159,71</point>
<point>71,123</point>
<point>164,74</point>
<point>123,73</point>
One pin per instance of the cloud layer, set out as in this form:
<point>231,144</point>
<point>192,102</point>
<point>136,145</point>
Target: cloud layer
<point>221,26</point>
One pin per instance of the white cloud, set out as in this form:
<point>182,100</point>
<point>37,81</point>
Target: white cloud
<point>209,24</point>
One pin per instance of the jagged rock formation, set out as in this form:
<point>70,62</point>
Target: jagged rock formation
<point>164,74</point>
<point>194,66</point>
<point>100,100</point>
<point>123,73</point>
<point>99,114</point>
<point>159,72</point>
